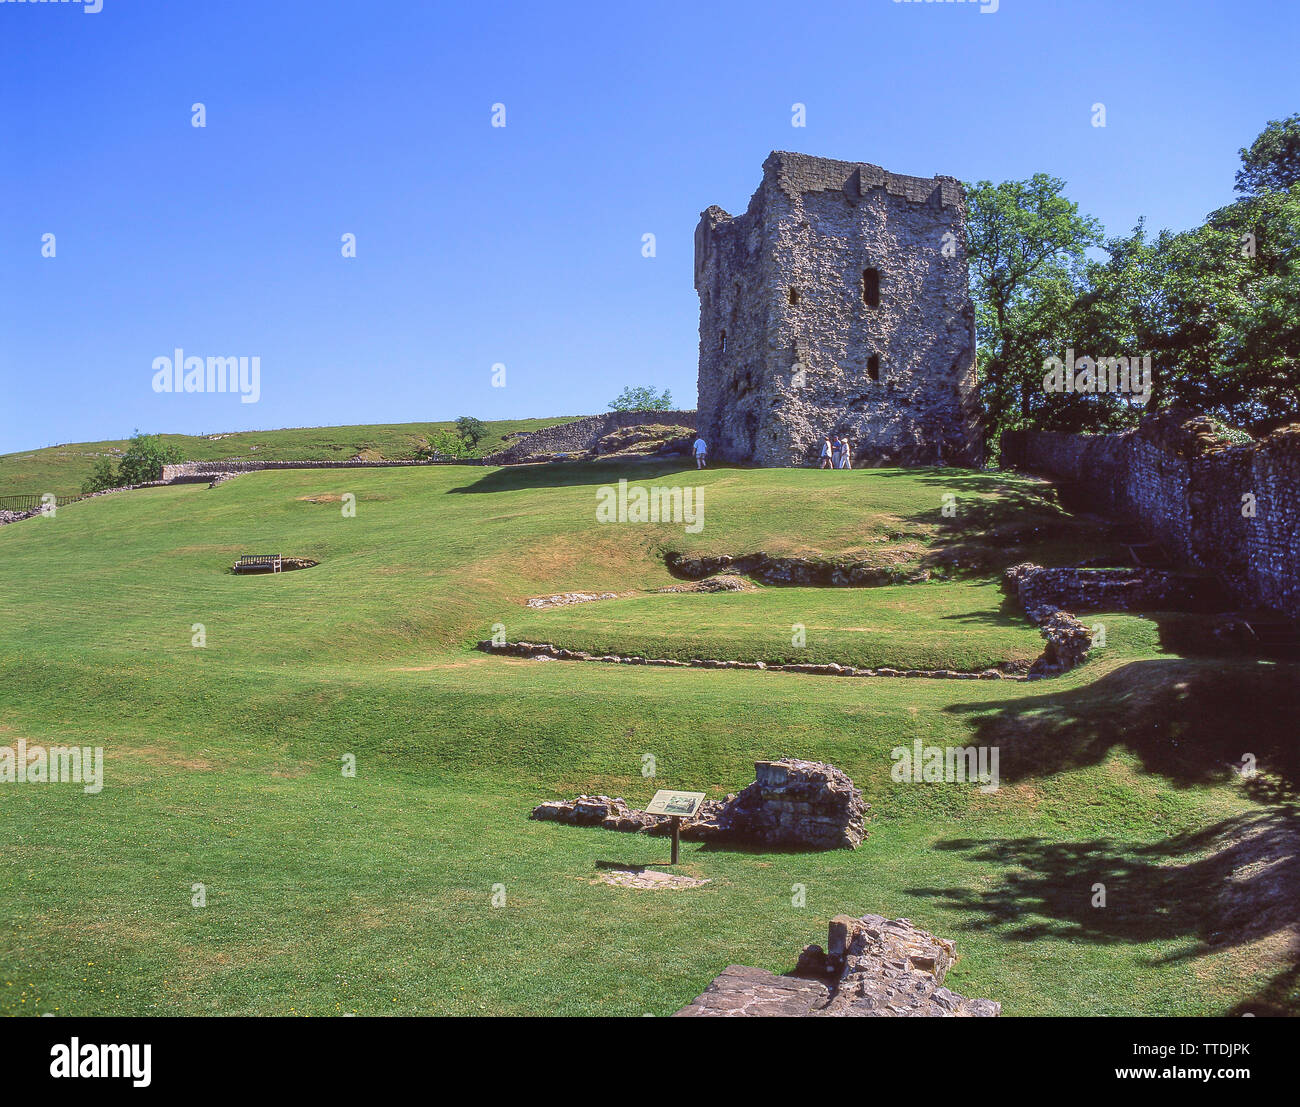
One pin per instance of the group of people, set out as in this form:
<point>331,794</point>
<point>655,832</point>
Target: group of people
<point>837,453</point>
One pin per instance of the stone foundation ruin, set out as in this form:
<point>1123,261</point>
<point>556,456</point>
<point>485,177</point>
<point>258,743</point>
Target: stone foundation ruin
<point>871,966</point>
<point>791,804</point>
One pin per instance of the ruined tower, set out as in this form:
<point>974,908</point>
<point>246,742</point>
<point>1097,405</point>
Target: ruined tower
<point>838,303</point>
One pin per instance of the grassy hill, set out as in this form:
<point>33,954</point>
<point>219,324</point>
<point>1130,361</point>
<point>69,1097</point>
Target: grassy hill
<point>61,469</point>
<point>328,893</point>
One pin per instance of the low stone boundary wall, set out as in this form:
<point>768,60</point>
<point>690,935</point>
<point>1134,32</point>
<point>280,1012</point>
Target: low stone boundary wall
<point>200,470</point>
<point>16,516</point>
<point>871,966</point>
<point>536,650</point>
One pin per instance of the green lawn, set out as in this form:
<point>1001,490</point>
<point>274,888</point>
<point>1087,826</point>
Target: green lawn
<point>328,893</point>
<point>965,625</point>
<point>61,469</point>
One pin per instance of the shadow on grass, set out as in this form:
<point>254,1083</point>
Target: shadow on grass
<point>1229,885</point>
<point>573,474</point>
<point>1191,721</point>
<point>999,520</point>
<point>1008,613</point>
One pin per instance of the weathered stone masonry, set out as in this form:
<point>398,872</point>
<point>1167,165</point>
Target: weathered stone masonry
<point>871,966</point>
<point>859,276</point>
<point>1175,480</point>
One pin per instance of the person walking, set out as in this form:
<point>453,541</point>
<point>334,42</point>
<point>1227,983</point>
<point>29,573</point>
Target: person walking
<point>836,451</point>
<point>846,454</point>
<point>701,453</point>
<point>826,453</point>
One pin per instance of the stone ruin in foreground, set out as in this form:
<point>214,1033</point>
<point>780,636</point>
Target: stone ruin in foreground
<point>791,804</point>
<point>872,966</point>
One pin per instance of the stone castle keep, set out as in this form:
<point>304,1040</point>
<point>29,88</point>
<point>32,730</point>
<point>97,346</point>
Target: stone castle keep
<point>838,303</point>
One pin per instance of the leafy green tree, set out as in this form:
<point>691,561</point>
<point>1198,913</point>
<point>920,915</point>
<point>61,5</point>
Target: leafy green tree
<point>1216,307</point>
<point>1272,162</point>
<point>1026,244</point>
<point>642,399</point>
<point>144,459</point>
<point>102,476</point>
<point>470,429</point>
<point>1242,269</point>
<point>1125,310</point>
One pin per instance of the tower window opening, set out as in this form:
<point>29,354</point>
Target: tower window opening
<point>794,297</point>
<point>871,287</point>
<point>724,342</point>
<point>873,367</point>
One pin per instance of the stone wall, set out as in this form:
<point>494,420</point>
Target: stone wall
<point>581,435</point>
<point>872,966</point>
<point>195,471</point>
<point>782,287</point>
<point>1086,589</point>
<point>1173,477</point>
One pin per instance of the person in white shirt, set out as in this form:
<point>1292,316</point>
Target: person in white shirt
<point>846,451</point>
<point>701,452</point>
<point>826,453</point>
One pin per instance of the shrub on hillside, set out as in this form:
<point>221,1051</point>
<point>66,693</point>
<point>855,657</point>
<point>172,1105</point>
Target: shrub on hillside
<point>443,443</point>
<point>102,476</point>
<point>144,459</point>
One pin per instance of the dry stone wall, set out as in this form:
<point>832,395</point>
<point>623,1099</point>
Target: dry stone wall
<point>581,435</point>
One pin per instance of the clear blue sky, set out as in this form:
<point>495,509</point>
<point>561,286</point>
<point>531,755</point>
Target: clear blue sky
<point>522,245</point>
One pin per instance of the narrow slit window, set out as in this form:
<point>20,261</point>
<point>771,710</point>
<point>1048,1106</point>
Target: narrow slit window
<point>723,343</point>
<point>871,287</point>
<point>873,367</point>
<point>794,297</point>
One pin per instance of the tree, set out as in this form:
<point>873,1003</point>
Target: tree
<point>102,476</point>
<point>144,459</point>
<point>1026,245</point>
<point>1243,267</point>
<point>1217,307</point>
<point>470,429</point>
<point>443,443</point>
<point>642,399</point>
<point>1272,162</point>
<point>1126,309</point>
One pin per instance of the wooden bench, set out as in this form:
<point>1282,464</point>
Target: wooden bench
<point>258,563</point>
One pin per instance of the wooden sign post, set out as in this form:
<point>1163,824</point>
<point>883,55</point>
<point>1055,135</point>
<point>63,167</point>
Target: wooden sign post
<point>677,806</point>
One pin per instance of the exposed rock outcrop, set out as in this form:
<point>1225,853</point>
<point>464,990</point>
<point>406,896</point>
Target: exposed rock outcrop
<point>872,966</point>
